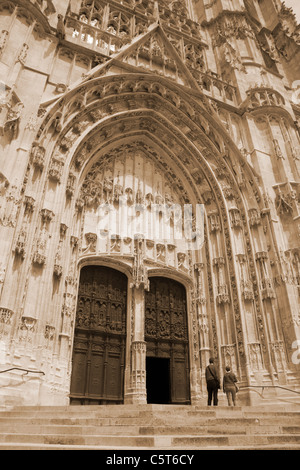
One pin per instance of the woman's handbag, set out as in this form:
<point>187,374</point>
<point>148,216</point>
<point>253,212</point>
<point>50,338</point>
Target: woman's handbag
<point>236,388</point>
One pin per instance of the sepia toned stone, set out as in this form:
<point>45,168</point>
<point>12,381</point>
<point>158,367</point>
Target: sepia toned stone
<point>149,198</point>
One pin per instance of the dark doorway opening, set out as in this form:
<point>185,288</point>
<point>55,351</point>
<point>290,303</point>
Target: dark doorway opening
<point>158,380</point>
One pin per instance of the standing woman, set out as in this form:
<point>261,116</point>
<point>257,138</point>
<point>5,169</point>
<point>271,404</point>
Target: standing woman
<point>229,386</point>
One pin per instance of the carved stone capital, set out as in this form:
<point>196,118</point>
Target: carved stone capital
<point>47,215</point>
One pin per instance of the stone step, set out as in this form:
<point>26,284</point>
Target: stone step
<point>73,439</point>
<point>187,442</point>
<point>94,418</point>
<point>115,430</point>
<point>31,447</point>
<point>150,421</point>
<point>161,442</point>
<point>150,427</point>
<point>165,409</point>
<point>102,413</point>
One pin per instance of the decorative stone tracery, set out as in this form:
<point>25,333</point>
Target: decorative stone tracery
<point>126,138</point>
<point>104,183</point>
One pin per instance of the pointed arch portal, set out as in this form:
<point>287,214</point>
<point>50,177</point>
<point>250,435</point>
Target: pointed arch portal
<point>144,139</point>
<point>117,127</point>
<point>130,135</point>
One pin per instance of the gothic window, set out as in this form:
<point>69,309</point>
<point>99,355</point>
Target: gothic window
<point>91,14</point>
<point>283,146</point>
<point>236,132</point>
<point>217,89</point>
<point>87,36</point>
<point>97,15</point>
<point>233,125</point>
<point>90,10</point>
<point>291,140</point>
<point>264,136</point>
<point>278,141</point>
<point>62,65</point>
<point>118,24</point>
<point>82,64</point>
<point>194,57</point>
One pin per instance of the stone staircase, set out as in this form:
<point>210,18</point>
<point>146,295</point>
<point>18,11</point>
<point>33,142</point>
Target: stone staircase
<point>142,427</point>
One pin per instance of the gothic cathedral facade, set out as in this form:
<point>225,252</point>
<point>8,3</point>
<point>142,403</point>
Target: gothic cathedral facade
<point>123,125</point>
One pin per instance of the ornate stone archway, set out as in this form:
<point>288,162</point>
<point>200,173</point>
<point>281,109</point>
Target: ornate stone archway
<point>81,159</point>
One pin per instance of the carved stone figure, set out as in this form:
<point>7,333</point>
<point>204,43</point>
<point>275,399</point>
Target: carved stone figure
<point>146,122</point>
<point>9,125</point>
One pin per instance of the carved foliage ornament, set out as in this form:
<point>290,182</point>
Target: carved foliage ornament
<point>287,199</point>
<point>165,307</point>
<point>109,190</point>
<point>5,321</point>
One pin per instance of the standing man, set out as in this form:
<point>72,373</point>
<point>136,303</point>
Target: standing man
<point>213,382</point>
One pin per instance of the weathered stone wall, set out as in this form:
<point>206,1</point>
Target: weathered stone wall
<point>136,101</point>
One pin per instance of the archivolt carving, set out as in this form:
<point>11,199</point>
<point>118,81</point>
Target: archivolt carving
<point>98,188</point>
<point>122,99</point>
<point>125,86</point>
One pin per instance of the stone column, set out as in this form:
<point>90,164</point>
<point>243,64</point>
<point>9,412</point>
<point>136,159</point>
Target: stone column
<point>202,318</point>
<point>138,371</point>
<point>138,393</point>
<point>140,282</point>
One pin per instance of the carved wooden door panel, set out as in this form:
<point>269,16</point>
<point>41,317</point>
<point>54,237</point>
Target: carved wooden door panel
<point>166,332</point>
<point>100,334</point>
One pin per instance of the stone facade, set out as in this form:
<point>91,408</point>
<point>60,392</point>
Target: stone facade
<point>166,103</point>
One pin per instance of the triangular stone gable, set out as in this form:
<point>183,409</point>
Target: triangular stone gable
<point>151,52</point>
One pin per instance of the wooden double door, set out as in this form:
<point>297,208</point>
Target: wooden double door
<point>100,336</point>
<point>98,362</point>
<point>166,335</point>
